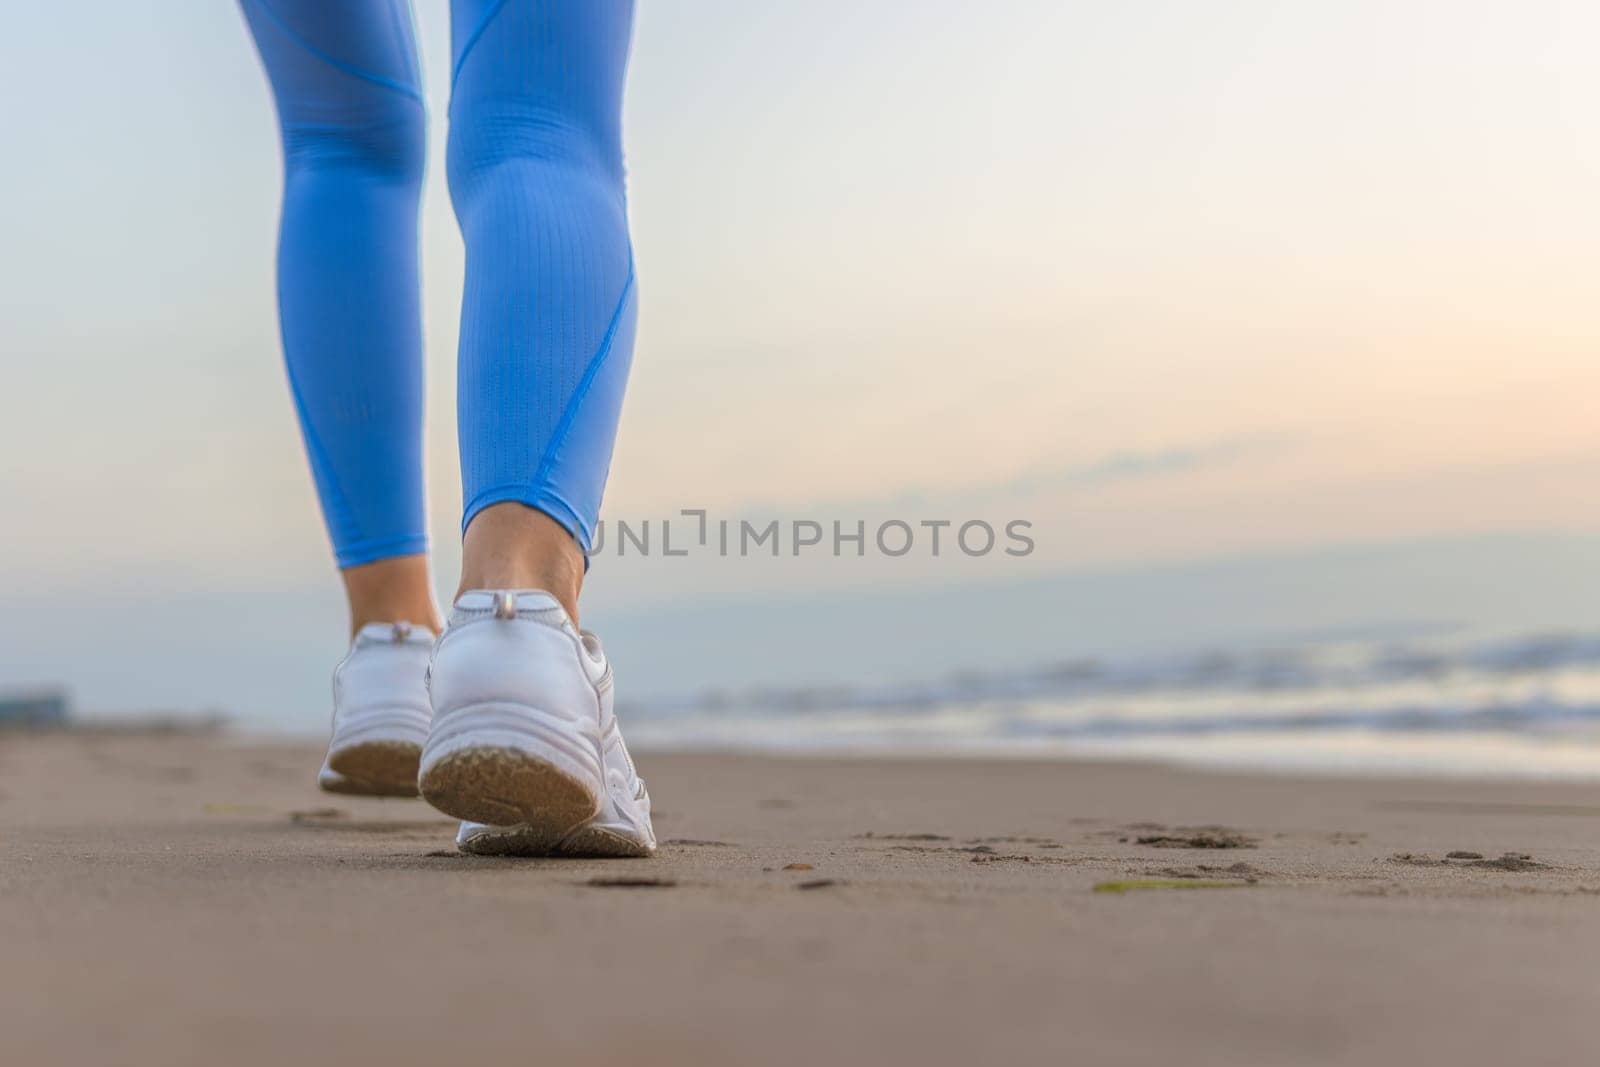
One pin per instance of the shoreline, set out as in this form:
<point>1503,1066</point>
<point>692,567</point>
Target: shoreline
<point>1476,757</point>
<point>1553,757</point>
<point>194,899</point>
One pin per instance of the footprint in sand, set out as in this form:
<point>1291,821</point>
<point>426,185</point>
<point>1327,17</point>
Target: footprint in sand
<point>1509,861</point>
<point>1198,837</point>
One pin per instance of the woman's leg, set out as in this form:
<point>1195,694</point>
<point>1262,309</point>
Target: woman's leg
<point>525,745</point>
<point>547,321</point>
<point>346,81</point>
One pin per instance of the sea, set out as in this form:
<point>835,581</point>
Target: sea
<point>1523,705</point>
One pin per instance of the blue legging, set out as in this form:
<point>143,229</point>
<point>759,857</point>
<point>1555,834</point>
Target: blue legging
<point>547,318</point>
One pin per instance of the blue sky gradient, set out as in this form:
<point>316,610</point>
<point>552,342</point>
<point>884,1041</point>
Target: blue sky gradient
<point>1175,282</point>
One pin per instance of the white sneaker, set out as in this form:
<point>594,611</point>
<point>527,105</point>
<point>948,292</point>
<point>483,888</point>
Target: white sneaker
<point>380,712</point>
<point>525,744</point>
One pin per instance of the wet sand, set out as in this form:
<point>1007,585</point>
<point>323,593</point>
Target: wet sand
<point>194,900</point>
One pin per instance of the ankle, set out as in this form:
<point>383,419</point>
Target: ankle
<point>513,546</point>
<point>397,589</point>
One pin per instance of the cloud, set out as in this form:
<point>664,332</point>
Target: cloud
<point>1114,467</point>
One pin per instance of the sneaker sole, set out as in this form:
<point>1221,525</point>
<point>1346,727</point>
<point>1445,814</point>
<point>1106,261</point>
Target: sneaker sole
<point>373,769</point>
<point>507,787</point>
<point>602,842</point>
<point>595,842</point>
<point>512,766</point>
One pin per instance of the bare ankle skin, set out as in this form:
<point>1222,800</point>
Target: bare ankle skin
<point>513,546</point>
<point>398,589</point>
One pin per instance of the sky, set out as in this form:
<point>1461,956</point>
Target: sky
<point>1172,282</point>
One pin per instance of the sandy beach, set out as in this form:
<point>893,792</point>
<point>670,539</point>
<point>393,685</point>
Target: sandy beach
<point>194,900</point>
